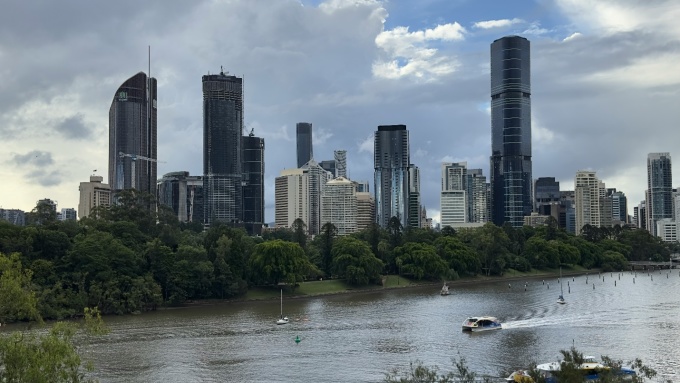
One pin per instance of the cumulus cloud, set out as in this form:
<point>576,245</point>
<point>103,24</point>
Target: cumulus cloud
<point>73,127</point>
<point>488,24</point>
<point>408,53</point>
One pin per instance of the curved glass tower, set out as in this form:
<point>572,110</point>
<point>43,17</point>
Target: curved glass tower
<point>391,161</point>
<point>132,135</point>
<point>511,179</point>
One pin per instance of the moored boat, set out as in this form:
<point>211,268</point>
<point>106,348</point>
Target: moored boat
<point>591,369</point>
<point>445,290</point>
<point>483,323</point>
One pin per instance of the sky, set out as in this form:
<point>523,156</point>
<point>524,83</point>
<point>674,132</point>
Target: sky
<point>604,76</point>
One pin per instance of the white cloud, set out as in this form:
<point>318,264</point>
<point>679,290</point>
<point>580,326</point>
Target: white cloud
<point>408,54</point>
<point>572,36</point>
<point>367,144</point>
<point>488,24</point>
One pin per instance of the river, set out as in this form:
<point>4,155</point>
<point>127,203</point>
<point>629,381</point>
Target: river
<point>359,337</point>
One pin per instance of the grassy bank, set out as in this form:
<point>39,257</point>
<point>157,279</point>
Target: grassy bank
<point>338,286</point>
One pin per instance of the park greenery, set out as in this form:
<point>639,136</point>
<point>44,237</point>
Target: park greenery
<point>136,256</point>
<point>569,372</point>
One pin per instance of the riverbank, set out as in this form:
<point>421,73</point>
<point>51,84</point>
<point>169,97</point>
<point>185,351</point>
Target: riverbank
<point>329,287</point>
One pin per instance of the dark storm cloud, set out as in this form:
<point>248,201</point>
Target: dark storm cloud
<point>35,158</point>
<point>45,178</point>
<point>73,127</point>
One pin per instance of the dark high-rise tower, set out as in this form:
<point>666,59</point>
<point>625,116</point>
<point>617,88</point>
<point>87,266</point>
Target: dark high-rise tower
<point>511,197</point>
<point>253,183</point>
<point>391,161</point>
<point>303,134</point>
<point>132,135</point>
<point>222,135</point>
<point>659,189</point>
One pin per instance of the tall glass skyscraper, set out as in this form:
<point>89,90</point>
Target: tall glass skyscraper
<point>303,134</point>
<point>253,183</point>
<point>391,161</point>
<point>659,189</point>
<point>132,132</point>
<point>222,136</point>
<point>511,196</point>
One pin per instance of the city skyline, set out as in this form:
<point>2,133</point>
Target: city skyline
<point>425,66</point>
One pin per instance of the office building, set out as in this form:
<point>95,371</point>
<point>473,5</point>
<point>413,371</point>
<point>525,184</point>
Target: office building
<point>362,186</point>
<point>13,216</point>
<point>330,167</point>
<point>298,195</point>
<point>391,162</point>
<point>133,135</point>
<point>303,135</point>
<point>365,210</point>
<point>183,194</point>
<point>93,194</point>
<point>667,230</point>
<point>340,157</point>
<point>477,191</point>
<point>339,205</point>
<point>414,196</point>
<point>453,198</point>
<point>619,207</point>
<point>222,137</point>
<point>659,194</point>
<point>253,183</point>
<point>511,182</point>
<point>68,214</point>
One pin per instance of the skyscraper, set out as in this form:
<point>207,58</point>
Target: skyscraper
<point>133,136</point>
<point>391,161</point>
<point>339,205</point>
<point>453,202</point>
<point>93,194</point>
<point>511,197</point>
<point>340,163</point>
<point>414,196</point>
<point>477,196</point>
<point>659,189</point>
<point>253,183</point>
<point>303,134</point>
<point>222,136</point>
<point>588,197</point>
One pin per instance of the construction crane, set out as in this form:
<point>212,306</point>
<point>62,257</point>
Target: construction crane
<point>134,158</point>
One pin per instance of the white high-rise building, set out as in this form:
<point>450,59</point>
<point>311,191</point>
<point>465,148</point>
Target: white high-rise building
<point>93,194</point>
<point>454,206</point>
<point>588,192</point>
<point>339,205</point>
<point>298,195</point>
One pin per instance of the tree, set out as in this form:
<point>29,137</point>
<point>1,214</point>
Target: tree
<point>48,358</point>
<point>461,258</point>
<point>354,261</point>
<point>300,232</point>
<point>491,243</point>
<point>17,301</point>
<point>419,373</point>
<point>279,261</point>
<point>326,237</point>
<point>421,261</point>
<point>395,230</point>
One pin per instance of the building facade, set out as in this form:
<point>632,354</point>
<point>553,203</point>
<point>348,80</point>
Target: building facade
<point>511,182</point>
<point>587,195</point>
<point>303,135</point>
<point>133,135</point>
<point>253,184</point>
<point>391,163</point>
<point>222,137</point>
<point>340,157</point>
<point>93,194</point>
<point>365,210</point>
<point>13,216</point>
<point>477,196</point>
<point>183,194</point>
<point>339,205</point>
<point>414,205</point>
<point>659,194</point>
<point>453,198</point>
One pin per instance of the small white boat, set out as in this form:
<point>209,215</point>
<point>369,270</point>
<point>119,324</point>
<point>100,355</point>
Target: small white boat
<point>484,323</point>
<point>445,290</point>
<point>282,319</point>
<point>560,299</point>
<point>591,369</point>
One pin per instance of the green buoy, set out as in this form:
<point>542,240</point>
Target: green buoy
<point>297,339</point>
